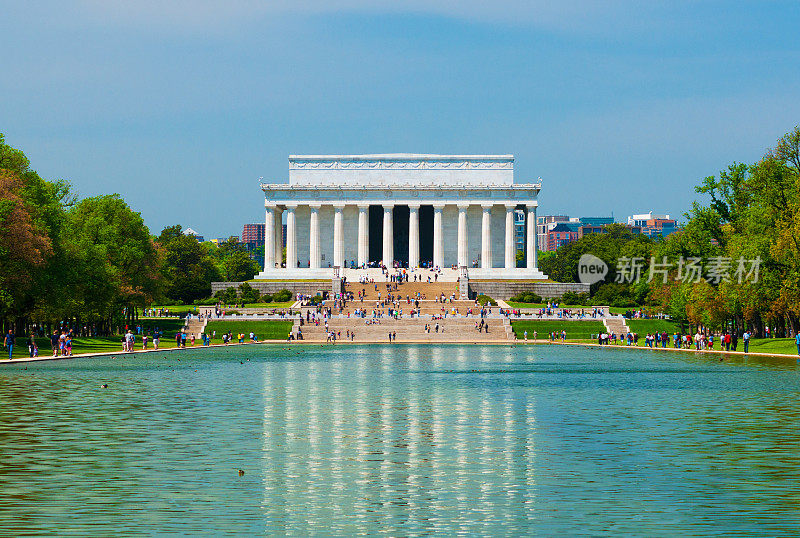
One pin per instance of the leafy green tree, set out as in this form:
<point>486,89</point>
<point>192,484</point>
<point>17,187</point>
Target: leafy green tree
<point>188,267</point>
<point>238,266</point>
<point>227,296</point>
<point>111,249</point>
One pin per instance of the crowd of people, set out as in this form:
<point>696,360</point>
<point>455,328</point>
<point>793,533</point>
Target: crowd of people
<point>728,341</point>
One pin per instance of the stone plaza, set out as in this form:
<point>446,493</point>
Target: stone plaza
<point>348,215</point>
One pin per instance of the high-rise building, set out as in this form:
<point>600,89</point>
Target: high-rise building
<point>253,235</point>
<point>546,223</point>
<point>654,225</point>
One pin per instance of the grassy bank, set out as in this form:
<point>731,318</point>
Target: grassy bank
<point>644,326</point>
<point>97,344</point>
<point>267,306</point>
<point>613,309</point>
<point>264,330</point>
<point>576,330</point>
<point>771,345</point>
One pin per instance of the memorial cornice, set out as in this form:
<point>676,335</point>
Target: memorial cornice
<point>395,161</point>
<point>408,186</point>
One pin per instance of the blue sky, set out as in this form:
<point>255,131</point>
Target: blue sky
<point>181,106</point>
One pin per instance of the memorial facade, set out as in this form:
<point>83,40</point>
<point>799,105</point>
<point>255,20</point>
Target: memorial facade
<point>350,213</point>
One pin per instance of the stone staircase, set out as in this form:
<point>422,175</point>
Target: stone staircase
<point>428,291</point>
<point>195,326</point>
<point>413,330</point>
<point>616,325</point>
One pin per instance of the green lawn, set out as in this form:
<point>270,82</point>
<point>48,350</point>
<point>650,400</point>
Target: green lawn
<point>771,345</point>
<point>98,344</point>
<point>181,309</point>
<point>644,326</point>
<point>576,330</point>
<point>611,309</point>
<point>165,325</point>
<point>525,305</point>
<point>286,304</point>
<point>264,330</point>
<point>620,310</point>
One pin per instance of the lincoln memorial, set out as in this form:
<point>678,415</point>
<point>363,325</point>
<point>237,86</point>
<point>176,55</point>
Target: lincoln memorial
<point>346,214</point>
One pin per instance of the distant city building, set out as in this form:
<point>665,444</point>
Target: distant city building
<point>568,229</point>
<point>653,225</point>
<point>546,223</point>
<point>189,231</point>
<point>596,221</point>
<point>253,235</point>
<point>587,229</point>
<point>562,233</point>
<point>218,240</point>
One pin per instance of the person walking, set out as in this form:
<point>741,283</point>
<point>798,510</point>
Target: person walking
<point>797,341</point>
<point>8,341</point>
<point>746,340</point>
<point>32,349</point>
<point>54,343</point>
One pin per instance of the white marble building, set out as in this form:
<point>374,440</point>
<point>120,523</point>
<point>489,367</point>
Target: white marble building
<point>445,211</point>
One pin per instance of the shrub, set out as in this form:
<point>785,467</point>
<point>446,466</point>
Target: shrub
<point>613,294</point>
<point>228,295</point>
<point>571,298</point>
<point>483,299</point>
<point>247,293</point>
<point>526,297</point>
<point>208,301</point>
<point>282,296</point>
<point>266,298</point>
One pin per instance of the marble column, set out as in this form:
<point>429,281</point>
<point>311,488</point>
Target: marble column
<point>511,254</point>
<point>388,235</point>
<point>291,237</point>
<point>463,240</point>
<point>438,236</point>
<point>486,236</point>
<point>413,236</point>
<point>532,254</point>
<point>315,249</point>
<point>363,235</point>
<point>338,235</point>
<point>278,236</point>
<point>269,239</point>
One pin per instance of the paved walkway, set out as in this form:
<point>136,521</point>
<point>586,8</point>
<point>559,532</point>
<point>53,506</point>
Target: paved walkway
<point>646,348</point>
<point>43,358</point>
<point>469,340</point>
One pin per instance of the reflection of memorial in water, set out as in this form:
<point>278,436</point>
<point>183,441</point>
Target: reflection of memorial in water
<point>387,436</point>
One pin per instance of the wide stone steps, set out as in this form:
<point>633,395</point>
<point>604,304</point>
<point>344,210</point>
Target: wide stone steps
<point>616,325</point>
<point>407,330</point>
<point>410,289</point>
<point>195,326</point>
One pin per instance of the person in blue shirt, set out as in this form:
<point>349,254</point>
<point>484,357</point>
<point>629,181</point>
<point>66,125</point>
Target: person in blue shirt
<point>797,341</point>
<point>8,341</point>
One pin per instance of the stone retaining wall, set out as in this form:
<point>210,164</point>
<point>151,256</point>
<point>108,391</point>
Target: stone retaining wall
<point>306,288</point>
<point>507,289</point>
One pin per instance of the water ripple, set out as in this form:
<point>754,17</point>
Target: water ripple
<point>400,440</point>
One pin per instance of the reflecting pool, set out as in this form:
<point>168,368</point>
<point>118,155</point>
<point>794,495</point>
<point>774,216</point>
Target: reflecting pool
<point>400,440</point>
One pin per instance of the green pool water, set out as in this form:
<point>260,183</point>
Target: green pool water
<point>400,440</point>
